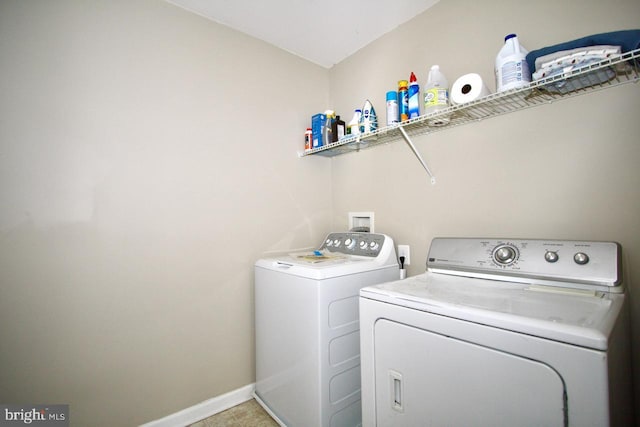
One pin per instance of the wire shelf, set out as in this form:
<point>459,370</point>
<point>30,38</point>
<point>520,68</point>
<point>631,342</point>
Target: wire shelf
<point>608,73</point>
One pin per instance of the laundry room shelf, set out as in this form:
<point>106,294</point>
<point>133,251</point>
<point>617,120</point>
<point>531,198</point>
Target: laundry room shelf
<point>608,73</point>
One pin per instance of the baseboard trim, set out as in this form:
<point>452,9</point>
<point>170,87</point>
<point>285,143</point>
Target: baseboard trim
<point>205,409</point>
<point>268,410</point>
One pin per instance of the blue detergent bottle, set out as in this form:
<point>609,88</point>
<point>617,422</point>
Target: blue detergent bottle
<point>414,97</point>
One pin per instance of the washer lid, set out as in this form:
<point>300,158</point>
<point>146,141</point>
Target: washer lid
<point>572,316</point>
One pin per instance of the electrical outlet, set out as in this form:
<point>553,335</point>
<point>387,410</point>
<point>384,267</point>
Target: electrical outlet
<point>403,250</point>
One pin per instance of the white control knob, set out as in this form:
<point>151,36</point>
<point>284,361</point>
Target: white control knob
<point>363,245</point>
<point>551,256</point>
<point>350,243</point>
<point>336,243</point>
<point>373,245</point>
<point>581,258</point>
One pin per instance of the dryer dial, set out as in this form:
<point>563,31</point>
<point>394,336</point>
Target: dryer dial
<point>551,256</point>
<point>505,254</point>
<point>581,258</point>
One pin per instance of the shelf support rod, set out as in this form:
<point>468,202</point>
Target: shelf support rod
<point>416,153</point>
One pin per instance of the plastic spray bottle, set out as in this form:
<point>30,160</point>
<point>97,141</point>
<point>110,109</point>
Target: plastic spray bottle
<point>436,96</point>
<point>414,97</point>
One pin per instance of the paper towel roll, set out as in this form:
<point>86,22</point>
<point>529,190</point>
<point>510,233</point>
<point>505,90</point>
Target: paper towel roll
<point>468,88</point>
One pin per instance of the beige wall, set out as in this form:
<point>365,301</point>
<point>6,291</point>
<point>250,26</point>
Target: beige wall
<point>567,170</point>
<point>147,159</point>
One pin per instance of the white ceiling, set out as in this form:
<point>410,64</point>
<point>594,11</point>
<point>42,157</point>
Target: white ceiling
<point>322,31</point>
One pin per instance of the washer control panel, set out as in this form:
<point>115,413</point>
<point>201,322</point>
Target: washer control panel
<point>362,244</point>
<point>586,262</point>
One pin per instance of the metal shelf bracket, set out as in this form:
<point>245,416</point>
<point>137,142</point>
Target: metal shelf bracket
<point>416,153</point>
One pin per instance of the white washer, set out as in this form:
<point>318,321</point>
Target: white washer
<point>499,333</point>
<point>307,328</point>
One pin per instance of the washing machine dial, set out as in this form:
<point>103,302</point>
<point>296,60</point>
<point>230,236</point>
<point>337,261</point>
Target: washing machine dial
<point>551,256</point>
<point>505,254</point>
<point>350,243</point>
<point>374,245</point>
<point>363,245</point>
<point>336,243</point>
<point>581,258</point>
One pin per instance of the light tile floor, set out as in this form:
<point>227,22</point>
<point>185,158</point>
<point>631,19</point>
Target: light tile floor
<point>248,414</point>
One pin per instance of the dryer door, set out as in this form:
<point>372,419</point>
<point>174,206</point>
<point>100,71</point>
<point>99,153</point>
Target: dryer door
<point>428,379</point>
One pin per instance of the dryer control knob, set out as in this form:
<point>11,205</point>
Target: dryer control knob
<point>505,254</point>
<point>581,258</point>
<point>551,256</point>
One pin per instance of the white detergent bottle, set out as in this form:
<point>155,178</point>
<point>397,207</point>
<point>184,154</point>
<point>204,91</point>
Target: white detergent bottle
<point>354,124</point>
<point>511,69</point>
<point>436,96</point>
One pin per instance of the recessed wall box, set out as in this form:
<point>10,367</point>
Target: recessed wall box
<point>361,221</point>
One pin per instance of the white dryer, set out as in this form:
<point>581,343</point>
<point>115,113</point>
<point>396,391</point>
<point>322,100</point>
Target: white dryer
<point>499,333</point>
<point>307,328</point>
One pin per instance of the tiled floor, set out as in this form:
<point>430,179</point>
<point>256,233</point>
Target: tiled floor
<point>248,414</point>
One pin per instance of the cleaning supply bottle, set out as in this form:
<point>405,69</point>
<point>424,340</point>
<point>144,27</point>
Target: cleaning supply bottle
<point>354,124</point>
<point>368,120</point>
<point>308,139</point>
<point>414,97</point>
<point>436,96</point>
<point>327,134</point>
<point>511,69</point>
<point>338,129</point>
<point>393,113</point>
<point>403,100</point>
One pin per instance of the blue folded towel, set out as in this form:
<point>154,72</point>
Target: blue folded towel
<point>628,40</point>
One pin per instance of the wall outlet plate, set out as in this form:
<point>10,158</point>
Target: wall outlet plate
<point>405,251</point>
